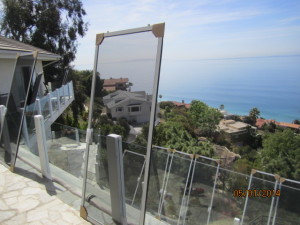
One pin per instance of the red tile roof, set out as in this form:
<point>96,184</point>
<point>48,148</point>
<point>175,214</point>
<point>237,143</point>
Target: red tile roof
<point>111,81</point>
<point>261,122</point>
<point>182,104</point>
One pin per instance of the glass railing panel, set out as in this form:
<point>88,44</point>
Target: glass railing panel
<point>171,194</point>
<point>200,193</point>
<point>287,207</point>
<point>160,162</point>
<point>260,201</point>
<point>226,204</point>
<point>45,107</point>
<point>97,192</point>
<point>134,164</point>
<point>65,149</point>
<point>61,95</point>
<point>31,111</point>
<point>66,91</point>
<point>54,100</point>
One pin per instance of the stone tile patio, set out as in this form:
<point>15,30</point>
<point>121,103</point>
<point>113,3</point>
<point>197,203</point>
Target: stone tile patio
<point>26,201</point>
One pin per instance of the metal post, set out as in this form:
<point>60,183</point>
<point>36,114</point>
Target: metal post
<point>272,203</point>
<point>213,194</point>
<point>151,126</point>
<point>276,206</point>
<point>183,194</point>
<point>166,184</point>
<point>246,201</point>
<point>42,145</point>
<point>190,188</point>
<point>163,184</point>
<point>116,178</point>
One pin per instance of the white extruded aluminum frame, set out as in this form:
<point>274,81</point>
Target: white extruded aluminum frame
<point>99,40</point>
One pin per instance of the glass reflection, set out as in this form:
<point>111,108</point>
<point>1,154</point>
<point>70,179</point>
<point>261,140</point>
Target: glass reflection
<point>16,102</point>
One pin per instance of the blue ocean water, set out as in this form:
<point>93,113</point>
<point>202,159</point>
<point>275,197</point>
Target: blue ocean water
<point>272,84</point>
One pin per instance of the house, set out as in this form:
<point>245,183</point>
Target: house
<point>115,84</point>
<point>9,49</point>
<point>23,95</point>
<point>261,122</point>
<point>134,106</point>
<point>234,131</point>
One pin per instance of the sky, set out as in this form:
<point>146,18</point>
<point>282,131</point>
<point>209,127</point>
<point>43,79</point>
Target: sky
<point>200,29</point>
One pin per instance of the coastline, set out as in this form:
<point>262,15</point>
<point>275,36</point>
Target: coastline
<point>238,111</point>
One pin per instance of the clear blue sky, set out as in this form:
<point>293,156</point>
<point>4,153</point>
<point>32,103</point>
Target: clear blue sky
<point>200,29</point>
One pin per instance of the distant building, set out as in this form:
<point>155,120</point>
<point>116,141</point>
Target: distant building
<point>179,104</point>
<point>235,131</point>
<point>134,106</point>
<point>115,84</point>
<point>261,122</point>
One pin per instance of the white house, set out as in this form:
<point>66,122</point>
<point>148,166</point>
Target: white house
<point>17,85</point>
<point>9,49</point>
<point>134,106</point>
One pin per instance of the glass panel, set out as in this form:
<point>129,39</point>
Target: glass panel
<point>61,95</point>
<point>125,66</point>
<point>157,177</point>
<point>259,204</point>
<point>201,192</point>
<point>45,107</point>
<point>66,92</point>
<point>226,205</point>
<point>54,100</point>
<point>288,210</point>
<point>134,164</point>
<point>172,194</point>
<point>20,87</point>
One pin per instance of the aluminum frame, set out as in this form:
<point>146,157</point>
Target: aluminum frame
<point>14,155</point>
<point>99,40</point>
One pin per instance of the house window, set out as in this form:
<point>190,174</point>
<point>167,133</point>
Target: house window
<point>134,108</point>
<point>119,109</point>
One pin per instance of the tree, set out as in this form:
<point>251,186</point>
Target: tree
<point>205,117</point>
<point>254,113</point>
<point>53,25</point>
<point>296,122</point>
<point>222,107</point>
<point>281,154</point>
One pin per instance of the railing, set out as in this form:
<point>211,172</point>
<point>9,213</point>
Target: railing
<point>183,188</point>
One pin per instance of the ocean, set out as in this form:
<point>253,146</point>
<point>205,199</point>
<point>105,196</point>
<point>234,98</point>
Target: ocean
<point>272,84</point>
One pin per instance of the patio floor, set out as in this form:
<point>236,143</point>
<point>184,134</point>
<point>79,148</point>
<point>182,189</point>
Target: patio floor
<point>28,198</point>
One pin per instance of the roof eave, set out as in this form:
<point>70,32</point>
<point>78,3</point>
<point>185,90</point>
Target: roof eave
<point>11,54</point>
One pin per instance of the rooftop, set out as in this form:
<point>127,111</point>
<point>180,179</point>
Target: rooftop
<point>11,45</point>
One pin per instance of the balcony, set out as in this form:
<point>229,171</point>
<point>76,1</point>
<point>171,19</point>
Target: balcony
<point>183,188</point>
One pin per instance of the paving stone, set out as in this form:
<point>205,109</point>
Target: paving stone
<point>6,215</point>
<point>11,201</point>
<point>30,191</point>
<point>18,219</point>
<point>3,206</point>
<point>23,201</point>
<point>27,205</point>
<point>37,215</point>
<point>16,186</point>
